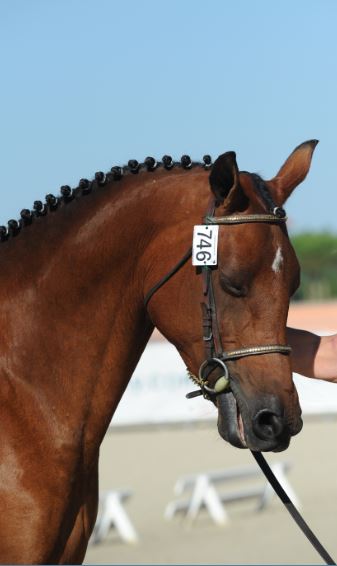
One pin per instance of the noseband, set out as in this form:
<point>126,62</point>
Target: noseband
<point>215,355</point>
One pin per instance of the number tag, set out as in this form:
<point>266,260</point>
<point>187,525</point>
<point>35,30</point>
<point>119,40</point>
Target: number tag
<point>205,245</point>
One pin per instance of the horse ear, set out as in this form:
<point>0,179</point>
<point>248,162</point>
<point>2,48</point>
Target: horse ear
<point>224,175</point>
<point>293,171</point>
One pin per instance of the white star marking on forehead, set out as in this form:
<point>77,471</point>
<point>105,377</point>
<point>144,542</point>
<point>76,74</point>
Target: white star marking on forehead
<point>278,261</point>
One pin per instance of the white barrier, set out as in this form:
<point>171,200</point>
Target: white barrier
<point>111,514</point>
<point>204,492</point>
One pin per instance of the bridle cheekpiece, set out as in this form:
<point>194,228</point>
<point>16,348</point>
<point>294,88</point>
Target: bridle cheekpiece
<point>214,352</point>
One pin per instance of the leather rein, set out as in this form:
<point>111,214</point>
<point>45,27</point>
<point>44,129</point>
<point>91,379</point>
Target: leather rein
<point>216,356</point>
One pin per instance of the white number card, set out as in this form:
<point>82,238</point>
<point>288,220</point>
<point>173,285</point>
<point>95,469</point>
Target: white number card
<point>205,245</point>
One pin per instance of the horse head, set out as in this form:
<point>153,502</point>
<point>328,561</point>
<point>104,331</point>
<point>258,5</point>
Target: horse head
<point>235,345</point>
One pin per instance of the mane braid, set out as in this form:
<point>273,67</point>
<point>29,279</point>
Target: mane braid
<point>85,187</point>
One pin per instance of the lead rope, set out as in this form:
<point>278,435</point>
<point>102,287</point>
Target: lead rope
<point>281,493</point>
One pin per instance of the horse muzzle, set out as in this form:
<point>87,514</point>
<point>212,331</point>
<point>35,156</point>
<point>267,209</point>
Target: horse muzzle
<point>259,425</point>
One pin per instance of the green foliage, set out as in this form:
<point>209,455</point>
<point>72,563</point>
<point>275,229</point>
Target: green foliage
<point>317,254</point>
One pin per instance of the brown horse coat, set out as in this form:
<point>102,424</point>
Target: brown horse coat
<point>74,325</point>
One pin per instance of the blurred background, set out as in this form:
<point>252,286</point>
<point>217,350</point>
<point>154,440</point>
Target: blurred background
<point>88,84</point>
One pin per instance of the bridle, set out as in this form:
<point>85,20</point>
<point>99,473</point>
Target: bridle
<point>215,355</point>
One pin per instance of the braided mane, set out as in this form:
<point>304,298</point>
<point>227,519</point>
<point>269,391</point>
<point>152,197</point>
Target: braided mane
<point>116,173</point>
<point>85,186</point>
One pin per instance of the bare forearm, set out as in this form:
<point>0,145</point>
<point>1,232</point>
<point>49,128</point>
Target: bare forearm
<point>312,355</point>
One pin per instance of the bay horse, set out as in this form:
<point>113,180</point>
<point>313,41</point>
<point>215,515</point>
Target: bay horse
<point>85,278</point>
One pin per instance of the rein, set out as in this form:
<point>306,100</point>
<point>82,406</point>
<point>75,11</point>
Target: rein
<point>216,356</point>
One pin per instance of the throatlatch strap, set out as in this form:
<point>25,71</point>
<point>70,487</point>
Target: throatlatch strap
<point>291,508</point>
<point>166,277</point>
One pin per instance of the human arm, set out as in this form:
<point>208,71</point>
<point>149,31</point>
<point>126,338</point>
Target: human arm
<point>312,355</point>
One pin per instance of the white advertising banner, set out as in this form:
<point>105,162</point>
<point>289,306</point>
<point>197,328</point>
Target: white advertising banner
<point>156,392</point>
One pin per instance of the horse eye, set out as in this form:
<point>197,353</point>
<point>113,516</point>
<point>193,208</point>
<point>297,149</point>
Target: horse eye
<point>232,288</point>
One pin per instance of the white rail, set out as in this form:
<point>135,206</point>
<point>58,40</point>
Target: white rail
<point>204,491</point>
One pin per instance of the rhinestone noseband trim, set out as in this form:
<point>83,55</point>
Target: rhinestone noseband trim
<point>256,351</point>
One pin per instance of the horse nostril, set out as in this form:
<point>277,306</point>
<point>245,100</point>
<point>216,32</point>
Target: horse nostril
<point>267,425</point>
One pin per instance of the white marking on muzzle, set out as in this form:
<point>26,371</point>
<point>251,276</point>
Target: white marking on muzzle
<point>278,261</point>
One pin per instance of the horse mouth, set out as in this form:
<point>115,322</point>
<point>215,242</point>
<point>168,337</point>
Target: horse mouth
<point>230,421</point>
<point>263,429</point>
<point>241,429</point>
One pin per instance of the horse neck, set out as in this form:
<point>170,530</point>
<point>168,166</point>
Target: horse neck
<point>71,298</point>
